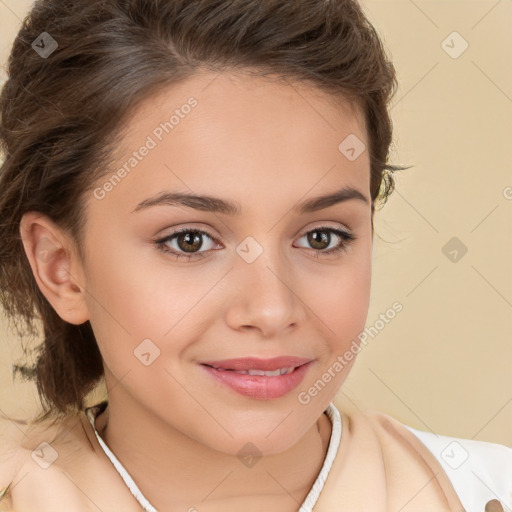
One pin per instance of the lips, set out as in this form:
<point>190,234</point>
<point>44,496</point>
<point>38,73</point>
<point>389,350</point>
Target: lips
<point>260,387</point>
<point>254,363</point>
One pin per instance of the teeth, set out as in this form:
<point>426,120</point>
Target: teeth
<point>274,373</point>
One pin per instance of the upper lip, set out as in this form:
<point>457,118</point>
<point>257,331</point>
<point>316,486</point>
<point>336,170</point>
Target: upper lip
<point>254,363</point>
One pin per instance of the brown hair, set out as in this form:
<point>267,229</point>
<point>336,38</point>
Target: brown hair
<point>61,115</point>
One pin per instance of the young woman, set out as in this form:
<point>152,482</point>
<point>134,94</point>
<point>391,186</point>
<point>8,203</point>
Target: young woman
<point>187,210</point>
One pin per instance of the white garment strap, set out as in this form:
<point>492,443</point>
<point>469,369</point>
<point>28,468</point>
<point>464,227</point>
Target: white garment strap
<point>308,504</point>
<point>144,503</point>
<point>332,450</point>
<point>479,471</point>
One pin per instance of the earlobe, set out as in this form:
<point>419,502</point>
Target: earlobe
<point>55,266</point>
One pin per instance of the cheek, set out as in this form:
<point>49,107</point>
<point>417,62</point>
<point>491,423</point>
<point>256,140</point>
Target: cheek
<point>343,308</point>
<point>121,297</point>
<point>355,299</point>
<point>343,298</point>
<point>135,295</point>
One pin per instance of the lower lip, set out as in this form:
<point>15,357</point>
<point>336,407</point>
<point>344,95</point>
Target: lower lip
<point>260,386</point>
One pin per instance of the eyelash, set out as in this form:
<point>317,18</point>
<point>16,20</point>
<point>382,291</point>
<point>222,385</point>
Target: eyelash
<point>347,239</point>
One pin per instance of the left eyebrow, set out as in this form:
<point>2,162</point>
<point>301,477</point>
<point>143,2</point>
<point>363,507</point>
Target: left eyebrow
<point>217,205</point>
<point>340,196</point>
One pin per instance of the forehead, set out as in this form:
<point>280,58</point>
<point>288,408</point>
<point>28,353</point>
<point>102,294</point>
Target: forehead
<point>243,135</point>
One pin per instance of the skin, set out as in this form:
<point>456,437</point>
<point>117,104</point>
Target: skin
<point>266,145</point>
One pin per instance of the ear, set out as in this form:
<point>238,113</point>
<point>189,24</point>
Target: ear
<point>56,266</point>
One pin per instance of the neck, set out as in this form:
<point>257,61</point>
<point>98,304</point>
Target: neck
<point>176,472</point>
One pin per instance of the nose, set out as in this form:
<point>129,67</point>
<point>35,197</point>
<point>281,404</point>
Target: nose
<point>266,295</point>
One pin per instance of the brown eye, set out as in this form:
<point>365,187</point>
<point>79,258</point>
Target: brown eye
<point>321,241</point>
<point>190,241</point>
<point>187,243</point>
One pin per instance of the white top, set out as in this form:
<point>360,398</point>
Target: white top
<point>478,470</point>
<point>306,506</point>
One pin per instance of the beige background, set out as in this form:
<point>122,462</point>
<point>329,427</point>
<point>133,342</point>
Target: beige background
<point>444,362</point>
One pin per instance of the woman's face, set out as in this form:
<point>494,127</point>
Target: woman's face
<point>259,282</point>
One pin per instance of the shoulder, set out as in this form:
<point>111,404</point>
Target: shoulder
<point>480,471</point>
<point>11,460</point>
<point>35,462</point>
<point>61,464</point>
